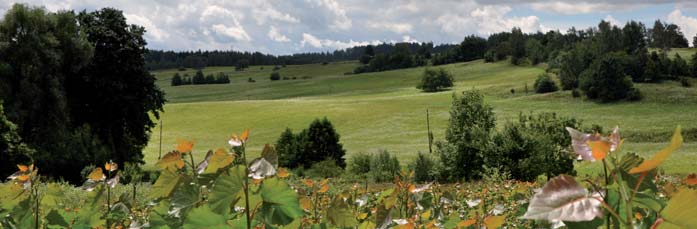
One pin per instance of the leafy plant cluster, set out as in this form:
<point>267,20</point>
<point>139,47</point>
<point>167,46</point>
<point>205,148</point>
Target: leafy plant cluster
<point>223,189</point>
<point>198,78</point>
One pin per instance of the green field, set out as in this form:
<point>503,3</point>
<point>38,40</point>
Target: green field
<point>384,110</point>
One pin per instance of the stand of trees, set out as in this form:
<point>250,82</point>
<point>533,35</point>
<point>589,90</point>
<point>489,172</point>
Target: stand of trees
<point>400,57</point>
<point>198,78</point>
<point>76,88</point>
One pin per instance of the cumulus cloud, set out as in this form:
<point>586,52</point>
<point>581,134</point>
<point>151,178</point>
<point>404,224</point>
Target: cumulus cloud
<point>580,7</point>
<point>309,39</point>
<point>400,28</point>
<point>267,12</point>
<point>686,23</point>
<point>341,20</point>
<point>409,39</point>
<point>235,32</point>
<point>612,21</point>
<point>275,35</point>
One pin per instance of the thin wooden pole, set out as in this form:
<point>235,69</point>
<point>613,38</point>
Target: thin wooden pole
<point>428,128</point>
<point>160,156</point>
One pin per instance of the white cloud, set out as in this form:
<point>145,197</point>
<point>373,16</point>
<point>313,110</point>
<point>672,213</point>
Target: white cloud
<point>275,35</point>
<point>268,12</point>
<point>394,27</point>
<point>153,32</point>
<point>612,21</point>
<point>341,21</point>
<point>579,7</point>
<point>491,19</point>
<point>236,32</point>
<point>332,44</point>
<point>409,39</point>
<point>687,24</point>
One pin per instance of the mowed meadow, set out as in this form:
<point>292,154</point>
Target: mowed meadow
<point>384,110</point>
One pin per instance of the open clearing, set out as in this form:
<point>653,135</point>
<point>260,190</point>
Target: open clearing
<point>384,110</point>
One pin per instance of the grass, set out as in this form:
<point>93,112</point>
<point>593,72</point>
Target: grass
<point>384,110</point>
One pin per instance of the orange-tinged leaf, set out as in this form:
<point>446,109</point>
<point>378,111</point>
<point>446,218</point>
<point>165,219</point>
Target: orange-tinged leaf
<point>600,149</point>
<point>324,182</point>
<point>171,161</point>
<point>405,226</point>
<point>245,135</point>
<point>411,188</point>
<point>96,175</point>
<point>23,178</point>
<point>22,168</point>
<point>111,166</point>
<point>494,221</point>
<point>466,223</point>
<point>657,159</point>
<point>184,146</point>
<point>324,188</point>
<point>219,159</point>
<point>305,203</point>
<point>691,179</point>
<point>282,173</point>
<point>308,182</point>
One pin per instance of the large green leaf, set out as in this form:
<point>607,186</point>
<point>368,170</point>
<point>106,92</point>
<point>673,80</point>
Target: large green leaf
<point>225,190</point>
<point>184,198</point>
<point>681,209</point>
<point>203,217</point>
<point>593,224</point>
<point>280,204</point>
<point>340,214</point>
<point>159,217</point>
<point>53,219</point>
<point>165,184</point>
<point>11,195</point>
<point>648,201</point>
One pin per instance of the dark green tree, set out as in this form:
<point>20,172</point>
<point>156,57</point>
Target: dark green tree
<point>176,80</point>
<point>517,42</point>
<point>679,67</point>
<point>323,143</point>
<point>633,35</point>
<point>115,95</point>
<point>467,137</point>
<point>535,50</point>
<point>472,48</point>
<point>241,64</point>
<point>198,78</point>
<point>275,76</point>
<point>605,81</point>
<point>434,80</point>
<point>693,65</point>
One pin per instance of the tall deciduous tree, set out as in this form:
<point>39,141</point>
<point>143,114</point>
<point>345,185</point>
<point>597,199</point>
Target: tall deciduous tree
<point>517,42</point>
<point>115,94</point>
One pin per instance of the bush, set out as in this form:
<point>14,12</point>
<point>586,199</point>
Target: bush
<point>605,81</point>
<point>435,80</point>
<point>489,56</point>
<point>470,125</point>
<point>251,80</point>
<point>383,166</point>
<point>545,84</point>
<point>360,164</point>
<point>685,82</point>
<point>575,93</point>
<point>275,76</point>
<point>317,143</point>
<point>176,80</point>
<point>324,169</point>
<point>424,168</point>
<point>535,145</point>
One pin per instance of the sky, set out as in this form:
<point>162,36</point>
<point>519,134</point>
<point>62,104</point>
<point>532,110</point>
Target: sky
<point>294,26</point>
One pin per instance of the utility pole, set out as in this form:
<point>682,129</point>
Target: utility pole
<point>430,135</point>
<point>160,156</point>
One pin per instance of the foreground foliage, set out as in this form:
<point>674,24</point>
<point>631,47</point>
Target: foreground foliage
<point>224,190</point>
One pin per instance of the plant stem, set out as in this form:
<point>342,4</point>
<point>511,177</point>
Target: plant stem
<point>36,210</point>
<point>246,188</point>
<point>607,181</point>
<point>108,198</point>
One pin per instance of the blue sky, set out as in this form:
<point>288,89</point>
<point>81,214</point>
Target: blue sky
<point>292,26</point>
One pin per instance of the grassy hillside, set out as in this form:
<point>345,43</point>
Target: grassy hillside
<point>384,110</point>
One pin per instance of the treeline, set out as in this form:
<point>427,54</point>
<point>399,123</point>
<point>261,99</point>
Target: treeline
<point>400,57</point>
<point>157,59</point>
<point>198,78</point>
